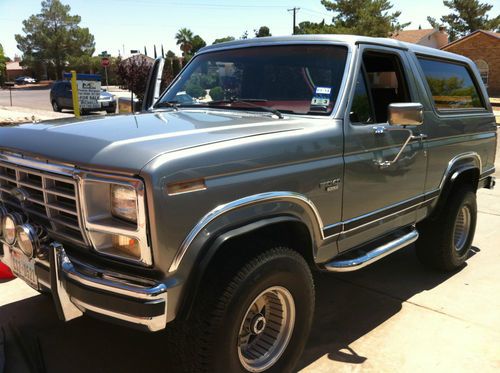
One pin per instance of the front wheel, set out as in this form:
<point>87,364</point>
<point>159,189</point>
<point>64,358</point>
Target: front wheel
<point>55,106</point>
<point>261,319</point>
<point>445,242</point>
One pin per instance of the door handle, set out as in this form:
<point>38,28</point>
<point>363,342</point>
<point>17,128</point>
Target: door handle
<point>420,137</point>
<point>379,130</point>
<point>411,136</point>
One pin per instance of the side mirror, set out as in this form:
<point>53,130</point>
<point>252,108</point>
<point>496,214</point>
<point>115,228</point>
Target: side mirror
<point>153,85</point>
<point>405,114</point>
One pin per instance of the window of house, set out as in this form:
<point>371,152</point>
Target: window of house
<point>451,85</point>
<point>484,70</point>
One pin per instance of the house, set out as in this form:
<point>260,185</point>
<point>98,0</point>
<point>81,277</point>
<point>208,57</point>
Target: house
<point>14,69</point>
<point>434,38</point>
<point>483,47</point>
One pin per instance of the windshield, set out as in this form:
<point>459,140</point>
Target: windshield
<point>298,79</point>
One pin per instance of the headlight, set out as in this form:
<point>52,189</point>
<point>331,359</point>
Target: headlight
<point>114,211</point>
<point>27,239</point>
<point>9,223</point>
<point>124,202</point>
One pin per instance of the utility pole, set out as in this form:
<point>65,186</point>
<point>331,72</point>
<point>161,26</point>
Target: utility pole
<point>294,10</point>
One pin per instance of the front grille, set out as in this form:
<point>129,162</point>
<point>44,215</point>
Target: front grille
<point>51,200</point>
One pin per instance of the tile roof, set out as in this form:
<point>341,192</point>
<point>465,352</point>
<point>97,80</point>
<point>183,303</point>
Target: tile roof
<point>412,36</point>
<point>490,33</point>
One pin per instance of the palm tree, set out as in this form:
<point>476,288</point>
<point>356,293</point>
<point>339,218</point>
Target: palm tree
<point>185,39</point>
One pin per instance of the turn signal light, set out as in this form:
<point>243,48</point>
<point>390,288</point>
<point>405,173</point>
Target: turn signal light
<point>186,187</point>
<point>126,245</point>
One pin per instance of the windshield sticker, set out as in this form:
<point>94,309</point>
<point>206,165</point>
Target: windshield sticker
<point>318,101</point>
<point>323,90</point>
<point>321,99</point>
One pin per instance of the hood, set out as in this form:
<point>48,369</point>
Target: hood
<point>125,143</point>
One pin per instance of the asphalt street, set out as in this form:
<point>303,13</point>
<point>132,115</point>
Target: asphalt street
<point>393,316</point>
<point>30,98</point>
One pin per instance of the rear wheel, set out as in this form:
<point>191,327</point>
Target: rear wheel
<point>445,242</point>
<point>259,321</point>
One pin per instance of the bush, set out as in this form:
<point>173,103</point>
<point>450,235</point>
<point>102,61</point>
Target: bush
<point>217,93</point>
<point>134,73</point>
<point>195,90</point>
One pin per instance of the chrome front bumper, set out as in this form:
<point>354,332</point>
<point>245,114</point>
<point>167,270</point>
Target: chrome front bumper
<point>78,288</point>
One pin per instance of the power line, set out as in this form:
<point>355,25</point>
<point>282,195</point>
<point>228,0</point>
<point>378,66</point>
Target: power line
<point>294,10</point>
<point>200,5</point>
<point>312,11</point>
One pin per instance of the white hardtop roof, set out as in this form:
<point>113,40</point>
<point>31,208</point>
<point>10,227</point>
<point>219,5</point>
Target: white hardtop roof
<point>335,38</point>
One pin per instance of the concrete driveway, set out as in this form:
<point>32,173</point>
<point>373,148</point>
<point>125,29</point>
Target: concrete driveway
<point>394,316</point>
<point>30,98</point>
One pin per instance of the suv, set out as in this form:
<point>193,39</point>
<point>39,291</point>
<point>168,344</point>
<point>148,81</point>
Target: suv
<point>62,98</point>
<point>291,155</point>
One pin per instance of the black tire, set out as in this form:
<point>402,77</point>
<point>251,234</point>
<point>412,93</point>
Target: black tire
<point>438,247</point>
<point>55,106</point>
<point>216,336</point>
<point>111,111</point>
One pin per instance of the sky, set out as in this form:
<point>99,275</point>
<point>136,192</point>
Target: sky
<point>122,25</point>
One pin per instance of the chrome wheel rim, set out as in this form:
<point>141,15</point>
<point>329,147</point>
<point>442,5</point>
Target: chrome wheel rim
<point>462,228</point>
<point>266,329</point>
<point>55,106</point>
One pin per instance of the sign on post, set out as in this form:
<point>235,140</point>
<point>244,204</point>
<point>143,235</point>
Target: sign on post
<point>86,89</point>
<point>88,94</point>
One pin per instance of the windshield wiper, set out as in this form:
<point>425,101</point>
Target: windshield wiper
<point>249,102</point>
<point>173,104</point>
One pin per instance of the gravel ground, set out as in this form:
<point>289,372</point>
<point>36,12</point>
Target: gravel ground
<point>15,114</point>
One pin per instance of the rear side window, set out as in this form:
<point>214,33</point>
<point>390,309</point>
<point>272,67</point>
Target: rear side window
<point>452,85</point>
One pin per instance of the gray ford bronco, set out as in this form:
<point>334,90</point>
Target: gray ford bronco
<point>263,161</point>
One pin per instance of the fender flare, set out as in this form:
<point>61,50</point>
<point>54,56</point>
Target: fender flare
<point>229,221</point>
<point>459,165</point>
<point>191,286</point>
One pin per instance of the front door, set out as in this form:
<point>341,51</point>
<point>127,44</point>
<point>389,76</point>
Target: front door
<point>379,198</point>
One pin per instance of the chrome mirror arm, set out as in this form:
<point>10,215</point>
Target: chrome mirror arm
<point>381,130</point>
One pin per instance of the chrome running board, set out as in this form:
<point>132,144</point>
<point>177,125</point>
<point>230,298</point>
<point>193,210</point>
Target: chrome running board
<point>353,264</point>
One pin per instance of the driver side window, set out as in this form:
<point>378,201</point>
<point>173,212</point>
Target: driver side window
<point>361,109</point>
<point>381,82</point>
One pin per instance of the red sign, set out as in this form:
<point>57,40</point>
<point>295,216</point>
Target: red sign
<point>105,62</point>
<point>5,272</point>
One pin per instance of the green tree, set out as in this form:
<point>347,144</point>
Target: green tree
<point>3,60</point>
<point>185,40</point>
<point>468,16</point>
<point>224,39</point>
<point>433,22</point>
<point>359,17</point>
<point>307,27</point>
<point>84,64</point>
<point>197,43</point>
<point>262,32</point>
<point>53,36</point>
